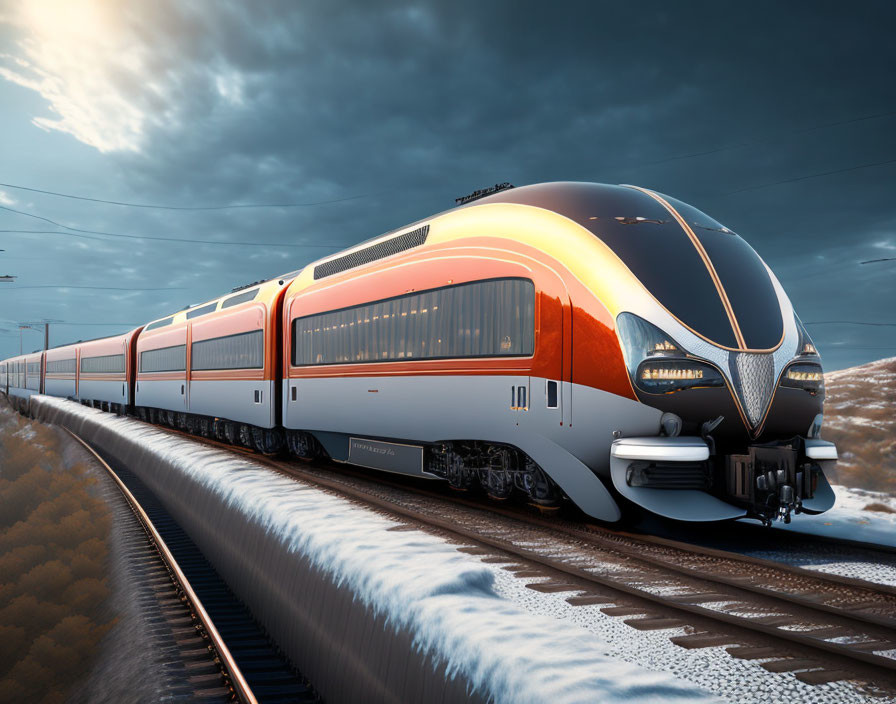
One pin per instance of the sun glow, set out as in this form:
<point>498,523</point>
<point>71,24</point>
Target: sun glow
<point>66,20</point>
<point>83,58</point>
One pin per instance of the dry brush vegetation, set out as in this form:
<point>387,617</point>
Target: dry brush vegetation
<point>53,572</point>
<point>860,417</point>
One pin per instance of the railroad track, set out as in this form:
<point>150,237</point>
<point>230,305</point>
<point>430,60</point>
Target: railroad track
<point>225,656</point>
<point>821,627</point>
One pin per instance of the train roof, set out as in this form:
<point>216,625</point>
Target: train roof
<point>698,269</point>
<point>264,290</point>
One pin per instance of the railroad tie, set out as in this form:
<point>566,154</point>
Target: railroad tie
<point>216,693</point>
<point>752,653</point>
<point>653,624</point>
<point>475,551</point>
<point>700,598</point>
<point>554,587</point>
<point>702,640</point>
<point>588,600</point>
<point>789,665</point>
<point>624,610</point>
<point>824,676</point>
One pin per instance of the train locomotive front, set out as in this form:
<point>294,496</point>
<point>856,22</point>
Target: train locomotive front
<point>606,342</point>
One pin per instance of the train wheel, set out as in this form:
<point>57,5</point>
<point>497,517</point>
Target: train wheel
<point>231,432</point>
<point>268,441</point>
<point>497,479</point>
<point>204,427</point>
<point>190,424</point>
<point>302,445</point>
<point>459,477</point>
<point>245,435</point>
<point>539,486</point>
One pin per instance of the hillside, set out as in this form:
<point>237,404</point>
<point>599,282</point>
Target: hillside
<point>860,417</point>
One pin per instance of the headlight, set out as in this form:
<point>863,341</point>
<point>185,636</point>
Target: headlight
<point>668,375</point>
<point>804,375</point>
<point>656,363</point>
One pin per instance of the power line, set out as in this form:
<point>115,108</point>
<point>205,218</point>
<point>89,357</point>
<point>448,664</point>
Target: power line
<point>809,176</point>
<point>99,288</point>
<point>54,232</point>
<point>874,261</point>
<point>188,207</point>
<point>851,322</point>
<point>164,239</point>
<point>756,142</point>
<point>65,322</point>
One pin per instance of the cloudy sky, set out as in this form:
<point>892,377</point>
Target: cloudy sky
<point>778,119</point>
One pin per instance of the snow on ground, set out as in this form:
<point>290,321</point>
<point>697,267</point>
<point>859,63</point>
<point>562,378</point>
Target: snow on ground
<point>457,607</point>
<point>849,520</point>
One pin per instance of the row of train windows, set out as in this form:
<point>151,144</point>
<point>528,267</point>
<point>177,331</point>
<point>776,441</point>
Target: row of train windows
<point>241,351</point>
<point>211,307</point>
<point>493,318</point>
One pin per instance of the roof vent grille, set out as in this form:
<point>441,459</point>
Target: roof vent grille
<point>380,250</point>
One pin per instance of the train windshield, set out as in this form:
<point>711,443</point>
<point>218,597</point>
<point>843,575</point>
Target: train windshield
<point>661,254</point>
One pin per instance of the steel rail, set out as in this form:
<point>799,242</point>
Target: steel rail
<point>240,687</point>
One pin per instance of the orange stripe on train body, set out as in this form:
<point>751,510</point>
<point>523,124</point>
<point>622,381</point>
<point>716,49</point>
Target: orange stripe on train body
<point>490,241</point>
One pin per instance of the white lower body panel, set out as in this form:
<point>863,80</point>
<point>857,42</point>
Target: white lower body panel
<point>63,388</point>
<point>162,393</point>
<point>101,390</point>
<point>235,400</point>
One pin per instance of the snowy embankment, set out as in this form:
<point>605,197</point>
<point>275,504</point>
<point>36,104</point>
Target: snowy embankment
<point>365,611</point>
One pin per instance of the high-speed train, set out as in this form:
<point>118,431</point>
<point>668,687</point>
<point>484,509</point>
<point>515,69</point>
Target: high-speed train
<point>606,344</point>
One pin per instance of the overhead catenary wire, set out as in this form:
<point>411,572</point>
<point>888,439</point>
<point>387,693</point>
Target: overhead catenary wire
<point>153,206</point>
<point>164,239</point>
<point>756,142</point>
<point>96,288</point>
<point>851,322</point>
<point>809,176</point>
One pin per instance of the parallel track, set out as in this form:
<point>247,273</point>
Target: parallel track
<point>250,666</point>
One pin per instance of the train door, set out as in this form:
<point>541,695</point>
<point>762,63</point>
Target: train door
<point>542,400</point>
<point>188,374</point>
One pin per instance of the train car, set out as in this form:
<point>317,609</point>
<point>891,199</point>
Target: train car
<point>106,368</point>
<point>213,368</point>
<point>61,375</point>
<point>33,365</point>
<point>604,342</point>
<point>4,384</point>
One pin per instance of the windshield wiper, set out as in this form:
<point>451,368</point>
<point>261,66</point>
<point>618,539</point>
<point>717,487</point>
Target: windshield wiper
<point>721,229</point>
<point>639,220</point>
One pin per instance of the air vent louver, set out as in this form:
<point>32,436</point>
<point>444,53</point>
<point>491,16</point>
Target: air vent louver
<point>408,240</point>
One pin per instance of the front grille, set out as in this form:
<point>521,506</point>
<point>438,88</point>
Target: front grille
<point>681,475</point>
<point>755,383</point>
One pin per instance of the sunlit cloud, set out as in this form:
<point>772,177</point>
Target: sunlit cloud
<point>82,57</point>
<point>6,199</point>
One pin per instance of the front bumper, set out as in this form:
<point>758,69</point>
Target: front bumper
<point>679,478</point>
